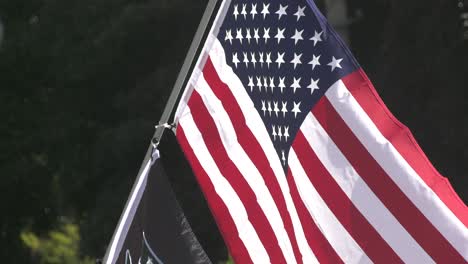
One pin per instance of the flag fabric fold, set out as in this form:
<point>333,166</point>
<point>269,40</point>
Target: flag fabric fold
<point>298,157</point>
<point>153,228</point>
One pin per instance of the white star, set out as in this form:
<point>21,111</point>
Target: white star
<point>281,84</point>
<point>269,107</point>
<point>296,109</point>
<point>265,83</point>
<point>274,132</point>
<point>266,34</point>
<point>280,134</point>
<point>297,36</point>
<point>239,35</point>
<point>247,35</point>
<point>235,60</point>
<point>313,85</point>
<point>256,36</point>
<point>280,34</point>
<point>268,59</point>
<point>300,12</point>
<point>228,36</point>
<point>335,63</point>
<point>251,83</point>
<point>246,60</point>
<point>259,83</point>
<point>244,11</point>
<point>296,84</point>
<point>265,10</point>
<point>280,59</point>
<point>236,11</point>
<point>296,60</point>
<point>272,84</point>
<point>284,108</point>
<point>281,11</point>
<point>315,61</point>
<point>286,133</point>
<point>252,58</point>
<point>263,107</point>
<point>261,59</point>
<point>253,12</point>
<point>317,37</point>
<point>283,158</point>
<point>275,108</point>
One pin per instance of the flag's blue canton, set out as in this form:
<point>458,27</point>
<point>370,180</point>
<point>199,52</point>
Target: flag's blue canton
<point>286,57</point>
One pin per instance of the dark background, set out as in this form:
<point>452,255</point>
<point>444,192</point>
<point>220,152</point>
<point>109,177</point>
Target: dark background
<point>82,83</point>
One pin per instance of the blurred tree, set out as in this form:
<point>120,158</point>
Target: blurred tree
<point>82,85</point>
<point>60,246</point>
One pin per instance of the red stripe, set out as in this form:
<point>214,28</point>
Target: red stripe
<point>228,169</point>
<point>417,225</point>
<point>317,241</point>
<point>402,139</point>
<point>251,147</point>
<point>342,207</point>
<point>217,206</point>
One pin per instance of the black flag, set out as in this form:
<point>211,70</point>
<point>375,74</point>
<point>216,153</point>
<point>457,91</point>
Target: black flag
<point>153,228</point>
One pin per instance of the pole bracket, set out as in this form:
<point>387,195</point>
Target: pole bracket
<point>155,140</point>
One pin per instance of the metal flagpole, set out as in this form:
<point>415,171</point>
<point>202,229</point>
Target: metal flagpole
<point>182,78</point>
<point>195,48</point>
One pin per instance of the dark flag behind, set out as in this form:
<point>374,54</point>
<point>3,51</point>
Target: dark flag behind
<point>153,228</point>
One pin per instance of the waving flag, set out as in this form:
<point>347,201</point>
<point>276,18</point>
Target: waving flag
<point>298,157</point>
<point>153,229</point>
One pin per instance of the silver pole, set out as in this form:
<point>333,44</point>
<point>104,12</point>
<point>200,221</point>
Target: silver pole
<point>184,72</point>
<point>200,35</point>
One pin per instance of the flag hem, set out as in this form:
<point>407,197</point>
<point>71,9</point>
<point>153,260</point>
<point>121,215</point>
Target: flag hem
<point>412,140</point>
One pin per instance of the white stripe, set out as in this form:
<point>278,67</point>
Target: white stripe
<point>398,169</point>
<point>236,209</point>
<point>248,170</point>
<point>127,217</point>
<point>214,30</point>
<point>255,123</point>
<point>361,195</point>
<point>338,237</point>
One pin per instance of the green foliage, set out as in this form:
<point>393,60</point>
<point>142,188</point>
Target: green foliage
<point>82,83</point>
<point>60,246</point>
<point>229,261</point>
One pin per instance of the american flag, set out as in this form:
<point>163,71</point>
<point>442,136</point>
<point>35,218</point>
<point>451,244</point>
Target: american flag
<point>298,157</point>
